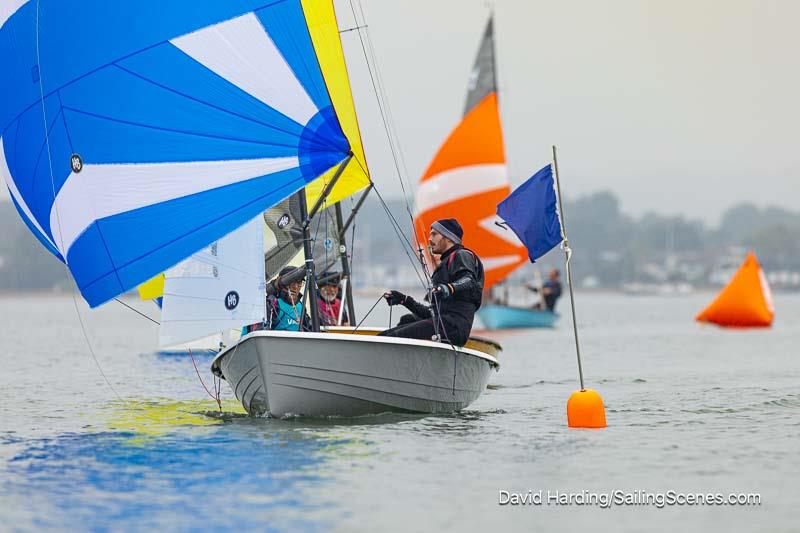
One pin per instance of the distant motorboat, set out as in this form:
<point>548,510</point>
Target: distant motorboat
<point>496,316</point>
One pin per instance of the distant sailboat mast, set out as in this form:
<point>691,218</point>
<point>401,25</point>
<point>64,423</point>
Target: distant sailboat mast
<point>468,176</point>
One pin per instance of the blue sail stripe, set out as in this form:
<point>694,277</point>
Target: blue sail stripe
<point>44,147</point>
<point>66,130</point>
<point>118,91</point>
<point>149,145</point>
<point>221,109</point>
<point>182,132</point>
<point>209,104</point>
<point>150,263</point>
<point>56,12</point>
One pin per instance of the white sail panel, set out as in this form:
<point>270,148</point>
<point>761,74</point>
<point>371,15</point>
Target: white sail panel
<point>100,191</point>
<point>242,52</point>
<point>217,289</point>
<point>460,182</point>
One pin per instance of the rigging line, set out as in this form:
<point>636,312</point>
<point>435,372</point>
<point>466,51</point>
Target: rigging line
<point>156,322</point>
<point>416,263</point>
<point>348,30</point>
<point>452,346</point>
<point>391,122</point>
<point>383,113</point>
<point>203,383</point>
<point>58,218</point>
<point>368,313</point>
<point>402,235</point>
<point>398,231</point>
<point>384,92</point>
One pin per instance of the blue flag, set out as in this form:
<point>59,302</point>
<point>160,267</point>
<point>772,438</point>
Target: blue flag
<point>531,212</point>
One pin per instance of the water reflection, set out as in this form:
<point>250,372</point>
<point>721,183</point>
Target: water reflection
<point>162,464</point>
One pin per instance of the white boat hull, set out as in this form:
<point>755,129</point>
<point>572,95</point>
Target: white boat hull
<point>330,374</point>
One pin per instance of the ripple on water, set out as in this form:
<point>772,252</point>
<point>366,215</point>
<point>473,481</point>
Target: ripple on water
<point>246,469</point>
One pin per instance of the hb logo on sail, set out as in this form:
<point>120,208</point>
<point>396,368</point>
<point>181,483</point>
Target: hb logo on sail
<point>231,300</point>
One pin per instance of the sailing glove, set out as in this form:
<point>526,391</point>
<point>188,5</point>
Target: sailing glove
<point>441,291</point>
<point>394,297</point>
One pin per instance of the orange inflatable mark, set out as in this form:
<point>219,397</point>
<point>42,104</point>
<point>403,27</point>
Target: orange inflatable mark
<point>745,302</point>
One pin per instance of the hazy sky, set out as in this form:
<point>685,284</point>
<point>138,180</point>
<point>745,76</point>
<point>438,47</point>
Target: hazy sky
<point>686,106</point>
<point>677,106</point>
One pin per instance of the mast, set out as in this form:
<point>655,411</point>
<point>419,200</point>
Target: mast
<point>351,312</point>
<point>311,281</point>
<point>308,251</point>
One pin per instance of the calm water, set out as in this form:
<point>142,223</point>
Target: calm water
<point>690,409</point>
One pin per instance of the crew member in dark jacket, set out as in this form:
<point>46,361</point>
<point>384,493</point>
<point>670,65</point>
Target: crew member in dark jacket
<point>456,294</point>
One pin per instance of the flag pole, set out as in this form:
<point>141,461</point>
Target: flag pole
<point>568,255</point>
<point>585,407</point>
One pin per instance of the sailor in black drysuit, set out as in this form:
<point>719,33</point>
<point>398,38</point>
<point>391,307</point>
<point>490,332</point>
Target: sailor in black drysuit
<point>456,294</point>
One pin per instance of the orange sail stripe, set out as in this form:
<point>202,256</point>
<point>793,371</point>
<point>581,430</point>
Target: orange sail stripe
<point>745,302</point>
<point>492,249</point>
<point>478,139</point>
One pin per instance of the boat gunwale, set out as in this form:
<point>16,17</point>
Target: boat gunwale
<point>349,330</point>
<point>216,369</point>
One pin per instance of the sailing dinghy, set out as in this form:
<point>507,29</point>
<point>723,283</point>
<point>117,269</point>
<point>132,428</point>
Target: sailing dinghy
<point>130,146</point>
<point>466,179</point>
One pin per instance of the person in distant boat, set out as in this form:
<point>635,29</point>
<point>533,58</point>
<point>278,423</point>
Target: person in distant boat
<point>329,302</point>
<point>551,291</point>
<point>456,294</point>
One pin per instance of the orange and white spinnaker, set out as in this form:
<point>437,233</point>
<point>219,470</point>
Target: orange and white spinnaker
<point>468,176</point>
<point>746,300</point>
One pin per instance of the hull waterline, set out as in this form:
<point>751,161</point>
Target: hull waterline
<point>506,317</point>
<point>330,374</point>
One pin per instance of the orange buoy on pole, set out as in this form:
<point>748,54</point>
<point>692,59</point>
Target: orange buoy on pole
<point>746,300</point>
<point>585,410</point>
<point>585,407</point>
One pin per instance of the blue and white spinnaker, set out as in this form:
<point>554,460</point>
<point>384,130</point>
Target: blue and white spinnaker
<point>134,133</point>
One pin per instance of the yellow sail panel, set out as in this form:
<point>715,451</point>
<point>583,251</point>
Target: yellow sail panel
<point>321,21</point>
<point>152,288</point>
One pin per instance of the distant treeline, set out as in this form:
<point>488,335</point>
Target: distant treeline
<point>616,248</point>
<point>24,263</point>
<point>611,246</point>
